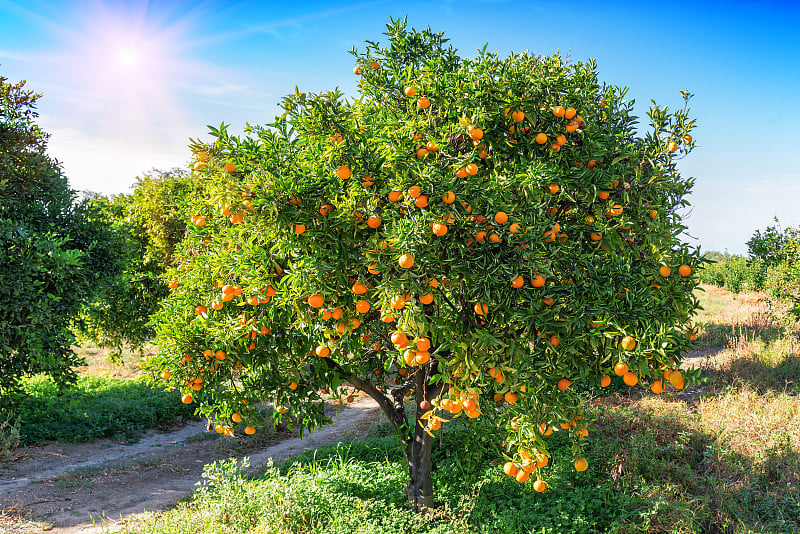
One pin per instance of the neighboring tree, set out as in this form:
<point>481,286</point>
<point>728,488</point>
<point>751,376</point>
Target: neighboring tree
<point>779,250</point>
<point>151,220</point>
<point>54,250</point>
<point>477,234</point>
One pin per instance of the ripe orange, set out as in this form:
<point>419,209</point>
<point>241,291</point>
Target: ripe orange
<point>592,164</point>
<point>475,133</point>
<point>362,306</point>
<point>563,384</point>
<point>344,172</point>
<point>581,464</point>
<point>538,281</point>
<point>510,469</point>
<point>672,147</point>
<point>439,229</point>
<point>664,271</point>
<point>517,116</point>
<point>522,476</point>
<point>657,387</point>
<point>200,310</point>
<point>398,302</point>
<point>539,485</point>
<point>299,228</point>
<point>687,139</point>
<point>553,188</point>
<point>410,91</point>
<point>173,284</point>
<point>555,342</point>
<point>431,146</point>
<point>325,210</point>
<point>501,217</point>
<point>406,261</point>
<point>166,375</point>
<point>561,140</point>
<point>620,369</point>
<point>684,270</point>
<point>676,379</point>
<point>481,309</point>
<point>558,111</point>
<point>630,379</point>
<point>422,201</point>
<point>518,282</point>
<point>480,237</point>
<point>449,197</point>
<point>316,301</point>
<point>510,397</point>
<point>471,169</point>
<point>187,399</point>
<point>569,113</point>
<point>596,236</point>
<point>423,103</point>
<point>230,167</point>
<point>374,221</point>
<point>514,228</point>
<point>421,153</point>
<point>541,138</point>
<point>605,381</point>
<point>357,71</point>
<point>394,196</point>
<point>426,298</point>
<point>249,430</point>
<point>628,343</point>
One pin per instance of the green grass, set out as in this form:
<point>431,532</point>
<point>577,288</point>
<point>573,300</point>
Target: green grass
<point>96,407</point>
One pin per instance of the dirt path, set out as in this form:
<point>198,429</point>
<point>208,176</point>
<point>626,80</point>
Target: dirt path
<point>76,488</point>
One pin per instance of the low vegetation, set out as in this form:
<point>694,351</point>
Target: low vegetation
<point>722,456</point>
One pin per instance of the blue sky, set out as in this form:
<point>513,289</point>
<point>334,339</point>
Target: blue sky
<point>127,83</point>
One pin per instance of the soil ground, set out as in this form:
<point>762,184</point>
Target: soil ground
<point>84,488</point>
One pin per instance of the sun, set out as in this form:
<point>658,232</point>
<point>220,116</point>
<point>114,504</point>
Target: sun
<point>128,58</point>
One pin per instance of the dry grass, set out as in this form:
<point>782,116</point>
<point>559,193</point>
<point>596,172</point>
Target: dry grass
<point>100,362</point>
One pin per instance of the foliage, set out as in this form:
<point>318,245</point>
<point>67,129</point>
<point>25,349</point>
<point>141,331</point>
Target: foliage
<point>780,250</point>
<point>733,272</point>
<point>54,250</point>
<point>150,221</point>
<point>472,232</point>
<point>95,407</point>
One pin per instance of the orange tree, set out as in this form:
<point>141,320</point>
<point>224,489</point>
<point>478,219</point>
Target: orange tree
<point>481,235</point>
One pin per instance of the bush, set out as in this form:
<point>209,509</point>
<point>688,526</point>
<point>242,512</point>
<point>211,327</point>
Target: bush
<point>95,407</point>
<point>733,272</point>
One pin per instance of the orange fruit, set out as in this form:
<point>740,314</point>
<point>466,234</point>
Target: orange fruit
<point>173,284</point>
<point>563,384</point>
<point>657,387</point>
<point>398,302</point>
<point>605,381</point>
<point>538,281</point>
<point>187,399</point>
<point>684,270</point>
<point>510,469</point>
<point>421,153</point>
<point>553,188</point>
<point>596,236</point>
<point>517,116</point>
<point>410,91</point>
<point>230,167</point>
<point>581,464</point>
<point>471,169</point>
<point>592,164</point>
<point>362,306</point>
<point>672,147</point>
<point>406,261</point>
<point>316,301</point>
<point>569,113</point>
<point>439,229</point>
<point>422,357</point>
<point>541,138</point>
<point>481,309</point>
<point>249,430</point>
<point>426,298</point>
<point>518,282</point>
<point>522,476</point>
<point>603,195</point>
<point>422,201</point>
<point>200,310</point>
<point>344,172</point>
<point>676,379</point>
<point>299,229</point>
<point>475,133</point>
<point>558,111</point>
<point>664,271</point>
<point>325,210</point>
<point>555,342</point>
<point>399,339</point>
<point>630,379</point>
<point>628,343</point>
<point>510,397</point>
<point>374,221</point>
<point>539,485</point>
<point>620,369</point>
<point>480,237</point>
<point>514,228</point>
<point>449,197</point>
<point>423,103</point>
<point>501,217</point>
<point>431,146</point>
<point>561,140</point>
<point>394,196</point>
